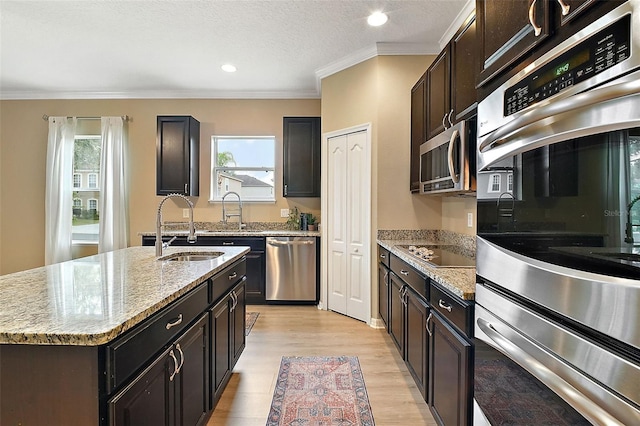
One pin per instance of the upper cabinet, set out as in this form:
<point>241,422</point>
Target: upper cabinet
<point>178,155</point>
<point>451,90</point>
<point>301,168</point>
<point>507,30</point>
<point>418,130</point>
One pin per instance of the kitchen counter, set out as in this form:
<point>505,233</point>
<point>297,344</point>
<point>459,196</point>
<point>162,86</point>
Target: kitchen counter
<point>238,233</point>
<point>92,300</point>
<point>459,281</point>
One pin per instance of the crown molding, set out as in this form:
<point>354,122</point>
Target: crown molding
<point>468,9</point>
<point>162,94</point>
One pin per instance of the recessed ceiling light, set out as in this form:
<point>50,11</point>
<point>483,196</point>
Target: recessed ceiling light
<point>377,18</point>
<point>228,68</point>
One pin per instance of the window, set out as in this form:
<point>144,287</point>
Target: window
<point>510,182</point>
<point>494,183</point>
<point>93,180</point>
<point>243,164</point>
<point>86,161</point>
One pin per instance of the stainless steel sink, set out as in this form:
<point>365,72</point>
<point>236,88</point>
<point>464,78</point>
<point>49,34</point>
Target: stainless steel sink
<point>192,257</point>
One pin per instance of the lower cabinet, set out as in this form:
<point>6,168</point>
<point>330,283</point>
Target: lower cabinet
<point>227,339</point>
<point>383,285</point>
<point>396,311</point>
<point>173,389</point>
<point>417,343</point>
<point>450,367</point>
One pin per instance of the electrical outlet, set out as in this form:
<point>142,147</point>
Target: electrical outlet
<point>469,220</point>
<point>284,212</point>
<point>185,213</point>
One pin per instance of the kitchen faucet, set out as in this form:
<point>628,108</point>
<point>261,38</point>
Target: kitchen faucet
<point>192,229</point>
<point>629,230</point>
<point>226,216</point>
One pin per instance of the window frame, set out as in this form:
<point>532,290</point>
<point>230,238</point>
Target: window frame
<point>76,236</point>
<point>89,176</point>
<point>214,197</point>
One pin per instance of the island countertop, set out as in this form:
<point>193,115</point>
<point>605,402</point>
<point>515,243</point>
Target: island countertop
<point>92,300</point>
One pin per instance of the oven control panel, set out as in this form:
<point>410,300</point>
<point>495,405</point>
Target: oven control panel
<point>594,55</point>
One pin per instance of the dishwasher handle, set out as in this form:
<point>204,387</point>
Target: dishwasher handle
<point>290,243</point>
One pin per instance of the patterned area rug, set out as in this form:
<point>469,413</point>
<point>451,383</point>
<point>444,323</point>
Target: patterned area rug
<point>320,391</point>
<point>250,319</point>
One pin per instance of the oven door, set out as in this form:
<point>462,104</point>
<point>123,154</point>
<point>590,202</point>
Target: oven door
<point>529,370</point>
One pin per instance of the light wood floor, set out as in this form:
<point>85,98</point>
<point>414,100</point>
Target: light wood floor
<point>306,331</point>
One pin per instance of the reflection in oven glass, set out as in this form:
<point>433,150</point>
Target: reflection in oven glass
<point>509,395</point>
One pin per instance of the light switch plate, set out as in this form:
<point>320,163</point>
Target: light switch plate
<point>185,212</point>
<point>469,220</point>
<point>284,212</point>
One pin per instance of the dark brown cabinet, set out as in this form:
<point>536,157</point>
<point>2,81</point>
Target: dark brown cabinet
<point>508,30</point>
<point>383,285</point>
<point>418,130</point>
<point>396,311</point>
<point>450,324</point>
<point>451,384</point>
<point>417,344</point>
<point>173,389</point>
<point>301,166</point>
<point>439,93</point>
<point>227,338</point>
<point>177,155</point>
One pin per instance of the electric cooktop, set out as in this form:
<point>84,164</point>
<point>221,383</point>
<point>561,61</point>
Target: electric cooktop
<point>438,256</point>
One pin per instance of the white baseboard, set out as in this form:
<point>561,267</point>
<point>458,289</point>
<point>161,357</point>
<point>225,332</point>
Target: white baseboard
<point>376,323</point>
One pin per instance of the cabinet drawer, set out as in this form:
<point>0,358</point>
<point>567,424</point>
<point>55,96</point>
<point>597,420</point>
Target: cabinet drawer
<point>457,311</point>
<point>131,351</point>
<point>255,243</point>
<point>383,256</point>
<point>415,279</point>
<point>227,278</point>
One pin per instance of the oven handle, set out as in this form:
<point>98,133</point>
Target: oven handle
<point>585,99</point>
<point>452,171</point>
<point>576,398</point>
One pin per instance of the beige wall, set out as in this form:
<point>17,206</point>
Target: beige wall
<point>23,140</point>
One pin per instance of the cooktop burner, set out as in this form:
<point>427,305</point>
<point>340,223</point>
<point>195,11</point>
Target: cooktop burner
<point>439,256</point>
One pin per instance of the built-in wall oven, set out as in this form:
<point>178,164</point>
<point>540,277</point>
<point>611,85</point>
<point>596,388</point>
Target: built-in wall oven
<point>448,160</point>
<point>557,318</point>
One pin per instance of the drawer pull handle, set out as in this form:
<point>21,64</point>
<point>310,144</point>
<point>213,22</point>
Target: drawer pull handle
<point>383,256</point>
<point>405,273</point>
<point>178,321</point>
<point>427,323</point>
<point>175,365</point>
<point>565,7</point>
<point>532,19</point>
<point>232,276</point>
<point>444,305</point>
<point>181,358</point>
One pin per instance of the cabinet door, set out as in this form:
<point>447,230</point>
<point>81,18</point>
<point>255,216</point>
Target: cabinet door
<point>220,348</point>
<point>506,32</point>
<point>418,130</point>
<point>417,343</point>
<point>450,374</point>
<point>438,93</point>
<point>463,71</point>
<point>149,399</point>
<point>572,8</point>
<point>192,381</point>
<point>396,311</point>
<point>255,284</point>
<point>238,311</point>
<point>383,294</point>
<point>178,160</point>
<point>301,168</point>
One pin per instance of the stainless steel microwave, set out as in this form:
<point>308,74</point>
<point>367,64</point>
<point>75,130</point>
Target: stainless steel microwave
<point>448,161</point>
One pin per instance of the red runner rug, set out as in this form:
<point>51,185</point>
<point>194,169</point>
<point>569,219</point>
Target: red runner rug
<point>320,391</point>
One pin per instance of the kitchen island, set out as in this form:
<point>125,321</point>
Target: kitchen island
<point>76,336</point>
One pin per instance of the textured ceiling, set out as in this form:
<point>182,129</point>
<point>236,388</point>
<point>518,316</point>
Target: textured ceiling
<point>156,49</point>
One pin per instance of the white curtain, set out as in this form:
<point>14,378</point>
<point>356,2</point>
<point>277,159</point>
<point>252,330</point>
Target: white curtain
<point>113,208</point>
<point>59,189</point>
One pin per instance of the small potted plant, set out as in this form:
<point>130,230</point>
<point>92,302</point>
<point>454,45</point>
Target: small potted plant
<point>311,222</point>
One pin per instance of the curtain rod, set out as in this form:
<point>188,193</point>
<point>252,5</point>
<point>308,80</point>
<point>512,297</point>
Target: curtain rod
<point>45,117</point>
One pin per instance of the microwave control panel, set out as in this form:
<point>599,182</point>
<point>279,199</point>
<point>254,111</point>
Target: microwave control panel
<point>596,54</point>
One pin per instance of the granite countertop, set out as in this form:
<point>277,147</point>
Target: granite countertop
<point>92,300</point>
<point>459,281</point>
<point>238,233</point>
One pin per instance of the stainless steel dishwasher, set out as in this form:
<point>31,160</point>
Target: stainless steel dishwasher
<point>291,269</point>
